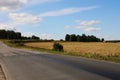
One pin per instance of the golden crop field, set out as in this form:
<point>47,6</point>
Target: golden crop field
<point>80,47</point>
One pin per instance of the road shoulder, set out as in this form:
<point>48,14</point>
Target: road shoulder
<point>2,75</point>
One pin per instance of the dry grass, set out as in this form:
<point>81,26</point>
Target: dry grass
<point>79,47</point>
<point>45,45</point>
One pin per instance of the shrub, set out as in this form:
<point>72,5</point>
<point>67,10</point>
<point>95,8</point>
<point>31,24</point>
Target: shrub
<point>57,47</point>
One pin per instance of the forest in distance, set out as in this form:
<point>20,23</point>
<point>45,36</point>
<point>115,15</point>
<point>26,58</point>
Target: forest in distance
<point>10,34</point>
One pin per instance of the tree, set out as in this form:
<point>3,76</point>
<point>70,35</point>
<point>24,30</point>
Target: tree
<point>35,37</point>
<point>10,34</point>
<point>82,38</point>
<point>18,35</point>
<point>3,34</point>
<point>78,38</point>
<point>67,37</point>
<point>73,37</point>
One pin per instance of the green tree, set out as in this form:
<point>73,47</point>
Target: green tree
<point>78,38</point>
<point>84,38</point>
<point>67,37</point>
<point>73,37</point>
<point>18,35</point>
<point>35,37</point>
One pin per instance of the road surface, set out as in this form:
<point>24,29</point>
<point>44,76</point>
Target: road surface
<point>28,65</point>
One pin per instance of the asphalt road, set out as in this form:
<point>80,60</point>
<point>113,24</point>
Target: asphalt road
<point>28,65</point>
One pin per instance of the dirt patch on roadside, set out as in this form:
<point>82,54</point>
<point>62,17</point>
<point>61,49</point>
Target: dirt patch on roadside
<point>2,75</point>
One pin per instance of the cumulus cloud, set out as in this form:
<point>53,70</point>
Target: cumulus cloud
<point>87,26</point>
<point>19,19</point>
<point>24,18</point>
<point>66,11</point>
<point>11,5</point>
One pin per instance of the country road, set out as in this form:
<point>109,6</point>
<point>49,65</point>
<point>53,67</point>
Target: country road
<point>28,65</point>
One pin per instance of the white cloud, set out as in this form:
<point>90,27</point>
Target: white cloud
<point>87,23</point>
<point>28,34</point>
<point>90,29</point>
<point>19,19</point>
<point>11,5</point>
<point>24,18</point>
<point>87,26</point>
<point>41,1</point>
<point>42,36</point>
<point>66,11</point>
<point>46,36</point>
<point>7,26</point>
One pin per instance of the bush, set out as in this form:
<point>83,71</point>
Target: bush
<point>57,47</point>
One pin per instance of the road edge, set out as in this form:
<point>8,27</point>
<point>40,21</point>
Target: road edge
<point>5,71</point>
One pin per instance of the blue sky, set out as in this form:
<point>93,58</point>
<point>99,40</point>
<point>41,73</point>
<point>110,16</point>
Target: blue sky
<point>53,19</point>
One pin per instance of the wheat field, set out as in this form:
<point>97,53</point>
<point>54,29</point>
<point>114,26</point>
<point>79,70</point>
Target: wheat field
<point>80,47</point>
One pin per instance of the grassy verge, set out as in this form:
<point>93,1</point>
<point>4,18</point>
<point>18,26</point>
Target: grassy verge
<point>114,58</point>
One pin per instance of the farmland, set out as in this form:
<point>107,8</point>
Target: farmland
<point>81,48</point>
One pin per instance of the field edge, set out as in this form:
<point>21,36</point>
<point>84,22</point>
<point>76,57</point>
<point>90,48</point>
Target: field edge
<point>113,58</point>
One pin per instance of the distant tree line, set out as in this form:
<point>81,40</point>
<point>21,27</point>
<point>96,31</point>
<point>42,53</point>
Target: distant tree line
<point>30,38</point>
<point>10,34</point>
<point>82,38</point>
<point>112,41</point>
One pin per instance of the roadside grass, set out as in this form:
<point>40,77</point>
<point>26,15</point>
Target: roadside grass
<point>11,44</point>
<point>96,50</point>
<point>82,47</point>
<point>47,47</point>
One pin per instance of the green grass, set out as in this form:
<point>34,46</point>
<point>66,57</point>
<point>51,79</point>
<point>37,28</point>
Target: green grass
<point>113,58</point>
